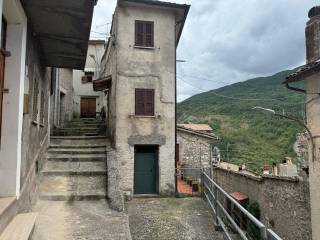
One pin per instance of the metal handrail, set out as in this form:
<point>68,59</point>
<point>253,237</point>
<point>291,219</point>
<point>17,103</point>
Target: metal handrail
<point>210,193</point>
<point>265,234</point>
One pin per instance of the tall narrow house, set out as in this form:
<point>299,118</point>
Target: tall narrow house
<point>138,78</point>
<point>310,74</point>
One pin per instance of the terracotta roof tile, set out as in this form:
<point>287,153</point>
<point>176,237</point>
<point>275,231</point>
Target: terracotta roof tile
<point>197,127</point>
<point>303,71</point>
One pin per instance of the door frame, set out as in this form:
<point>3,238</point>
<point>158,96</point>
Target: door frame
<point>88,97</point>
<point>157,167</point>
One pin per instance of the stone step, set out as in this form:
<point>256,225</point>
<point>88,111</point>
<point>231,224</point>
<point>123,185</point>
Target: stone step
<point>77,157</point>
<point>78,132</point>
<point>8,210</point>
<point>86,125</point>
<point>86,122</point>
<point>20,228</point>
<point>78,137</point>
<point>65,188</point>
<point>79,141</point>
<point>74,168</point>
<point>78,150</point>
<point>58,146</point>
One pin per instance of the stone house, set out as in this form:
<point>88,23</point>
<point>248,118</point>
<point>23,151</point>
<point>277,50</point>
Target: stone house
<point>86,102</point>
<point>138,77</point>
<point>310,73</point>
<point>194,145</point>
<point>35,37</point>
<point>61,98</point>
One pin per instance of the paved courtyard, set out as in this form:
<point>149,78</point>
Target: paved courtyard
<point>171,219</point>
<point>79,220</point>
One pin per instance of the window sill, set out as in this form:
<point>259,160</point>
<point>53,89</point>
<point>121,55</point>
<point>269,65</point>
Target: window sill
<point>142,47</point>
<point>142,116</point>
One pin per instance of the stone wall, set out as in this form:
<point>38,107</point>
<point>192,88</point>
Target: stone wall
<point>35,131</point>
<point>132,68</point>
<point>66,95</point>
<point>194,150</point>
<point>284,202</point>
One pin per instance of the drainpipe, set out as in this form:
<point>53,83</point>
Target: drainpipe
<point>176,100</point>
<point>175,116</point>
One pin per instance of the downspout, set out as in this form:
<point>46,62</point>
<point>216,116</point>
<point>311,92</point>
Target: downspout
<point>302,123</point>
<point>295,89</point>
<point>176,100</point>
<point>175,113</point>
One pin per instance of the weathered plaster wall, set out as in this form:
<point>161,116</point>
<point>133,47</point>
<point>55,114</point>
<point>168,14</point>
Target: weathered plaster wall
<point>12,105</point>
<point>284,202</point>
<point>312,84</point>
<point>143,68</point>
<point>194,150</point>
<point>66,95</point>
<point>34,135</point>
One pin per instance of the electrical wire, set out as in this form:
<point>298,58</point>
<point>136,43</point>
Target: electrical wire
<point>229,97</point>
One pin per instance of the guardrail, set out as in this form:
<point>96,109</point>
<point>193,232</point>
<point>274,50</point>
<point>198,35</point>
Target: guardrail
<point>231,217</point>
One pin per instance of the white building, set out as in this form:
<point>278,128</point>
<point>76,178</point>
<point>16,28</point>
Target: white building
<point>86,102</point>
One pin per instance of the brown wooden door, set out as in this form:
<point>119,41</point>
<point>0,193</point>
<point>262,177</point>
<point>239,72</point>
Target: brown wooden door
<point>2,61</point>
<point>88,107</point>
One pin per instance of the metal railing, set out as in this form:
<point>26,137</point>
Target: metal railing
<point>231,217</point>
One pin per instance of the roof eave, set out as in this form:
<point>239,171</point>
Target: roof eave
<point>298,77</point>
<point>209,136</point>
<point>183,21</point>
<point>185,7</point>
<point>62,45</point>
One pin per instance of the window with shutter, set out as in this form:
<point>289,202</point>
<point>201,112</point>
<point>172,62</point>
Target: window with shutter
<point>87,78</point>
<point>42,110</point>
<point>144,34</point>
<point>35,100</point>
<point>144,102</point>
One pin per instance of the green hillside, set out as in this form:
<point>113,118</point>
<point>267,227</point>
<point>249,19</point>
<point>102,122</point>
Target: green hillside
<point>253,137</point>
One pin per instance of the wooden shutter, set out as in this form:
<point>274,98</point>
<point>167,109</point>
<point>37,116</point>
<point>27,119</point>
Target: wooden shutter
<point>139,33</point>
<point>42,113</point>
<point>35,100</point>
<point>149,34</point>
<point>139,102</point>
<point>144,33</point>
<point>84,79</point>
<point>144,102</point>
<point>149,102</point>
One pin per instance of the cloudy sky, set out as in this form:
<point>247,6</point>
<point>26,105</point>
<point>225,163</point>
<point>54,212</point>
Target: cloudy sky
<point>227,41</point>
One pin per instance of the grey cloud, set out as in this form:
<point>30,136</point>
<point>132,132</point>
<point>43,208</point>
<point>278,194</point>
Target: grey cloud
<point>226,41</point>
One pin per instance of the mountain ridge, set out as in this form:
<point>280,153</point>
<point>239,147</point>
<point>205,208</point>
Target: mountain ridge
<point>248,136</point>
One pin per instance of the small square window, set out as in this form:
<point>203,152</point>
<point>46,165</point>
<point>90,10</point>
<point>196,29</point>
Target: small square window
<point>144,102</point>
<point>144,33</point>
<point>87,78</point>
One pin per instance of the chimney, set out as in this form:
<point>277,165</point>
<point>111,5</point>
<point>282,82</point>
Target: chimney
<point>313,35</point>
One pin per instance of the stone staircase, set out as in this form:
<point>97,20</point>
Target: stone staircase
<point>73,188</point>
<point>76,163</point>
